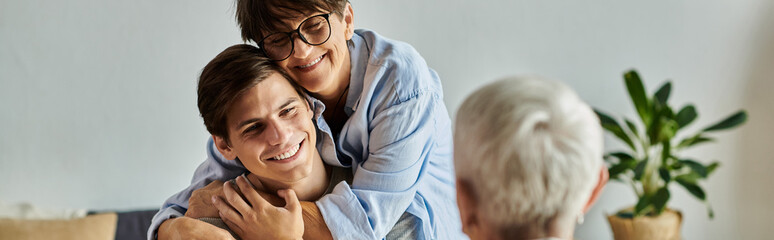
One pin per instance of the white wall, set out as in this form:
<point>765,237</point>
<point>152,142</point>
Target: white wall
<point>98,97</point>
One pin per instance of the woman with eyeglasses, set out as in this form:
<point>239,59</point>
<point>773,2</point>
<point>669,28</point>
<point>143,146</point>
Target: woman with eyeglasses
<point>383,117</point>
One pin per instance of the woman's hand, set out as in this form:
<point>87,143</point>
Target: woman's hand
<point>200,203</point>
<point>258,218</point>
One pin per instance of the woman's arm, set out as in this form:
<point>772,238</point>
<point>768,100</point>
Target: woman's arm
<point>182,228</point>
<point>214,168</point>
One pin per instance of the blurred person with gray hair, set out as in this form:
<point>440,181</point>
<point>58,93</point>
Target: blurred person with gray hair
<point>528,158</point>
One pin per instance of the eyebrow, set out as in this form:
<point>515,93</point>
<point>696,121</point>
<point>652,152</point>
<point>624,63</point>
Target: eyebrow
<point>252,120</point>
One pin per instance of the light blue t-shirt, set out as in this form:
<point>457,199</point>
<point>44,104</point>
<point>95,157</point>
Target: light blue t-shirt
<point>397,142</point>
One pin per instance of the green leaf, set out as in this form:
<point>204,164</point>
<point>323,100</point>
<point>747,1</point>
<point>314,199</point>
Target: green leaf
<point>627,215</point>
<point>730,122</point>
<point>643,203</point>
<point>662,95</point>
<point>625,162</point>
<point>660,199</point>
<point>662,129</point>
<point>632,127</point>
<point>616,170</point>
<point>686,115</point>
<point>666,152</point>
<point>666,111</point>
<point>691,177</point>
<point>696,167</point>
<point>693,188</point>
<point>711,168</point>
<point>696,139</point>
<point>605,119</point>
<point>639,170</point>
<point>664,173</point>
<point>654,129</point>
<point>622,156</point>
<point>637,93</point>
<point>621,167</point>
<point>612,126</point>
<point>668,130</point>
<point>710,212</point>
<point>676,165</point>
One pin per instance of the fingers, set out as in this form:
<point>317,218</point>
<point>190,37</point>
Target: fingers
<point>291,200</point>
<point>234,199</point>
<point>250,193</point>
<point>233,226</point>
<point>225,211</point>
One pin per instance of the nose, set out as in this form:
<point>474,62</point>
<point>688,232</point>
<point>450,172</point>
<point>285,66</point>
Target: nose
<point>277,133</point>
<point>301,49</point>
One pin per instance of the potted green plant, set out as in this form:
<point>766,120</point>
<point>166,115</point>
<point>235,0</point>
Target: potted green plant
<point>652,160</point>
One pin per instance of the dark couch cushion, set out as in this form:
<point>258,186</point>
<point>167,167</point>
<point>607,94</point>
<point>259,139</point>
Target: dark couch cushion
<point>134,224</point>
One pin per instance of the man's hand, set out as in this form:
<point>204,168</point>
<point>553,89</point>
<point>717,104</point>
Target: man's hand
<point>259,219</point>
<point>189,228</point>
<point>200,203</point>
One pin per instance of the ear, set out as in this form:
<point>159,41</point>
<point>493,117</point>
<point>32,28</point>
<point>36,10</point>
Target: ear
<point>603,177</point>
<point>309,111</point>
<point>224,148</point>
<point>309,105</point>
<point>467,204</point>
<point>349,21</point>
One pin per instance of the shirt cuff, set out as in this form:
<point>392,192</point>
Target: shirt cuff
<point>160,217</point>
<point>343,220</point>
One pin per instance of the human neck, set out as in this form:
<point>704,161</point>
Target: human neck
<point>560,227</point>
<point>331,96</point>
<point>309,188</point>
<point>556,228</point>
<point>334,113</point>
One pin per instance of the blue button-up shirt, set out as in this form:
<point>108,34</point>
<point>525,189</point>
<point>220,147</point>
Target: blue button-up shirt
<point>397,141</point>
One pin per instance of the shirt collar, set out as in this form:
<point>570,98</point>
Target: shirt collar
<point>358,55</point>
<point>317,106</point>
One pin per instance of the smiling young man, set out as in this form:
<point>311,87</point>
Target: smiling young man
<point>257,117</point>
<point>383,117</point>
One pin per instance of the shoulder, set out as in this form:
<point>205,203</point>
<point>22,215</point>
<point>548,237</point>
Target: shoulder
<point>397,65</point>
<point>383,50</point>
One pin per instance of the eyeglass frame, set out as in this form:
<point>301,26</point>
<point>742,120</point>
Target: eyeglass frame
<point>298,32</point>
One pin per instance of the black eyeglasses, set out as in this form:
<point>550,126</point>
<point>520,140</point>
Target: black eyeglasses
<point>314,31</point>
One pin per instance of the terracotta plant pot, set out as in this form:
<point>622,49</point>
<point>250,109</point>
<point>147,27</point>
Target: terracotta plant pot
<point>665,226</point>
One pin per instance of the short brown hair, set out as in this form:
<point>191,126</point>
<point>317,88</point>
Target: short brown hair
<point>226,77</point>
<point>256,17</point>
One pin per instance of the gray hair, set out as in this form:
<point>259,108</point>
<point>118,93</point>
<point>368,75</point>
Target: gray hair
<point>530,149</point>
